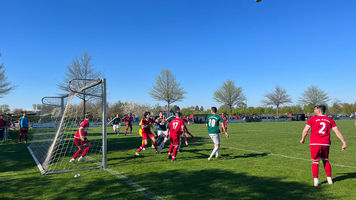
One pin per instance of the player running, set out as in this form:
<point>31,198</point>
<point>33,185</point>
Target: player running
<point>128,120</point>
<point>214,122</point>
<point>176,128</point>
<point>147,121</point>
<point>116,124</point>
<point>224,122</point>
<point>320,141</point>
<point>81,140</point>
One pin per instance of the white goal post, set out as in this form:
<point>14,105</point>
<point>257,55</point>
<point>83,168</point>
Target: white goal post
<point>52,145</point>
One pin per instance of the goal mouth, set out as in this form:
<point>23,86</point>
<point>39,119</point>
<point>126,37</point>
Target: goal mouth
<point>53,145</point>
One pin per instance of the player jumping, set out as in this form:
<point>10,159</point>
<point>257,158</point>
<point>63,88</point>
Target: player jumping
<point>320,141</point>
<point>81,140</point>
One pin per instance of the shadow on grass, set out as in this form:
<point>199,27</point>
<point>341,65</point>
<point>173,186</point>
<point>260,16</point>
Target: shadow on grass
<point>344,176</point>
<point>57,187</point>
<point>15,157</point>
<point>223,184</point>
<point>173,184</point>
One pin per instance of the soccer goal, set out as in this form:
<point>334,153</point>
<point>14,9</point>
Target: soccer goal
<point>52,145</point>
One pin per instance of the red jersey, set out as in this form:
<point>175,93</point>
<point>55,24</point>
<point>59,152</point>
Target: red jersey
<point>85,125</point>
<point>175,127</point>
<point>147,122</point>
<point>128,119</point>
<point>320,130</point>
<point>224,120</point>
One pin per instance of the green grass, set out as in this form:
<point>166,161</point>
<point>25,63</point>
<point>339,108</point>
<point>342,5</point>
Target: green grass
<point>253,166</point>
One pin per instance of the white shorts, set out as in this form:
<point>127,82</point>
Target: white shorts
<point>215,138</point>
<point>116,126</point>
<point>162,133</point>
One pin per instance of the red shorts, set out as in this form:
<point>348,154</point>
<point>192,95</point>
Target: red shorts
<point>175,140</point>
<point>145,136</point>
<point>23,131</point>
<point>128,123</point>
<point>79,142</point>
<point>319,152</point>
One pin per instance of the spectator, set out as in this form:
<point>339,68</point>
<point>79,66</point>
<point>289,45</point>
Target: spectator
<point>23,125</point>
<point>2,127</point>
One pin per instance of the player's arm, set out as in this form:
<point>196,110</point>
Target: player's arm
<point>80,133</point>
<point>341,137</point>
<point>305,133</point>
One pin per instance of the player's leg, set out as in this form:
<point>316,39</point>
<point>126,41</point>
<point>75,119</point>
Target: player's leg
<point>171,147</point>
<point>176,141</point>
<point>327,166</point>
<point>144,143</point>
<point>86,149</point>
<point>130,129</point>
<point>154,143</point>
<point>78,143</point>
<point>315,156</point>
<point>127,127</point>
<point>216,140</point>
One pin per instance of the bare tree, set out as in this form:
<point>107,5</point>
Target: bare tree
<point>82,69</point>
<point>277,98</point>
<point>229,94</point>
<point>314,96</point>
<point>167,88</point>
<point>5,86</point>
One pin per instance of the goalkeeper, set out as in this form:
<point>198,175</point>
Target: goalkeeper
<point>81,140</point>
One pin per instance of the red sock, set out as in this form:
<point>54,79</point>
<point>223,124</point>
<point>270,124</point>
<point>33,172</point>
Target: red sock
<point>85,151</point>
<point>126,130</point>
<point>175,153</point>
<point>141,147</point>
<point>315,170</point>
<point>327,168</point>
<point>77,153</point>
<point>185,138</point>
<point>170,149</point>
<point>20,138</point>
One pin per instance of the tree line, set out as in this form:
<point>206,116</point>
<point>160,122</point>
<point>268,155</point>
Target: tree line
<point>166,88</point>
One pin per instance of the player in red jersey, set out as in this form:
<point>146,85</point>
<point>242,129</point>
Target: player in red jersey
<point>81,140</point>
<point>224,122</point>
<point>176,128</point>
<point>128,120</point>
<point>186,132</point>
<point>320,141</point>
<point>147,121</point>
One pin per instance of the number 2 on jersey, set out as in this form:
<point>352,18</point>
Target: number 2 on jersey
<point>322,130</point>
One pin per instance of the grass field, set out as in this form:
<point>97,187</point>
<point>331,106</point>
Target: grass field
<point>260,161</point>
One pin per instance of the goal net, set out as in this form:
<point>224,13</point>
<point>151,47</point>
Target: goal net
<point>53,146</point>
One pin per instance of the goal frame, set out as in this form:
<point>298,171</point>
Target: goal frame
<point>62,106</point>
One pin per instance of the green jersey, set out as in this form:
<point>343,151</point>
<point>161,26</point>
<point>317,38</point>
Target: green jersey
<point>213,122</point>
<point>161,124</point>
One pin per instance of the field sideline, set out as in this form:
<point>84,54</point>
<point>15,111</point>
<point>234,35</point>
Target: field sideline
<point>260,161</point>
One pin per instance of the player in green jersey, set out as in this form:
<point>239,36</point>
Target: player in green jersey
<point>214,122</point>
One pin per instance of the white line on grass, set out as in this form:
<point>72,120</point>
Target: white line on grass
<point>139,188</point>
<point>290,157</point>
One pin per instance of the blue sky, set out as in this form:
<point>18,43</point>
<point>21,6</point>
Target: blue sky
<point>293,44</point>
